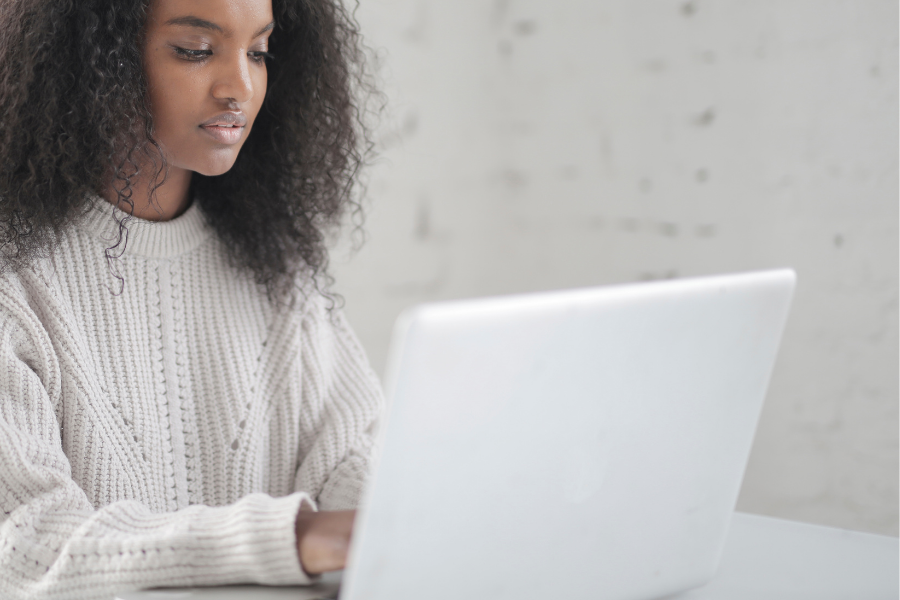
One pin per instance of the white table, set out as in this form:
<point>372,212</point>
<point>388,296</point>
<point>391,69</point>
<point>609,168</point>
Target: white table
<point>765,559</point>
<point>772,559</point>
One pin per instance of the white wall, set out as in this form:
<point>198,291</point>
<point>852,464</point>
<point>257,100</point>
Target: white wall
<point>532,145</point>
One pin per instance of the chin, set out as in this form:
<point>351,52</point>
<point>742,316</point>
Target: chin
<point>215,166</point>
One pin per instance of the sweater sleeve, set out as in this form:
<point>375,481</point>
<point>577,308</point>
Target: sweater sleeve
<point>342,401</point>
<point>55,544</point>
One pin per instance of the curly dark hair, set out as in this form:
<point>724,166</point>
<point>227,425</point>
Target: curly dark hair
<point>74,113</point>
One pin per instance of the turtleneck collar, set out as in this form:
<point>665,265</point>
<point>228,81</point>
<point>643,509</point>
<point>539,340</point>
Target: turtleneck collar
<point>148,239</point>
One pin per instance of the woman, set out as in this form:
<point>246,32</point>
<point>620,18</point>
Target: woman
<point>177,394</point>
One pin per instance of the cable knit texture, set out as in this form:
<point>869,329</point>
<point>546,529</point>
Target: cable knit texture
<point>165,430</point>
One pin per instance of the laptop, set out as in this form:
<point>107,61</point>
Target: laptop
<point>577,444</point>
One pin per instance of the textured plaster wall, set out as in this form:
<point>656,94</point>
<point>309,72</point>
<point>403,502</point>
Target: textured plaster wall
<point>535,144</point>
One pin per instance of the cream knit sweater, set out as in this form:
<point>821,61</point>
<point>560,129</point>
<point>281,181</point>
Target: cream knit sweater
<point>167,434</point>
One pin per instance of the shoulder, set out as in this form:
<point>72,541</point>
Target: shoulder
<point>319,307</point>
<point>327,334</point>
<point>28,309</point>
<point>25,290</point>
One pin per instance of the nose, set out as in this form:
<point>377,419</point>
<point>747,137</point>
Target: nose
<point>233,81</point>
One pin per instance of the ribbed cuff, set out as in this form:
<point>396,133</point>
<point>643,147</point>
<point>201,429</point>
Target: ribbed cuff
<point>253,540</point>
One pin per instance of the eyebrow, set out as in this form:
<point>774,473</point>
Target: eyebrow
<point>268,27</point>
<point>197,22</point>
<point>190,21</point>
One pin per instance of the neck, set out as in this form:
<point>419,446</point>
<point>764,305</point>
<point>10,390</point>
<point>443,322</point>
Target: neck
<point>169,200</point>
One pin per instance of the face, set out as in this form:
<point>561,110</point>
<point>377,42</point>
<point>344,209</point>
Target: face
<point>205,66</point>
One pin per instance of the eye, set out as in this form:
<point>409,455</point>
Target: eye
<point>190,54</point>
<point>259,56</point>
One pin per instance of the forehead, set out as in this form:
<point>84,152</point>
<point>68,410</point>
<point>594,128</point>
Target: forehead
<point>232,16</point>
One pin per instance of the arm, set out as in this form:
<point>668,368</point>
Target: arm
<point>343,400</point>
<point>54,543</point>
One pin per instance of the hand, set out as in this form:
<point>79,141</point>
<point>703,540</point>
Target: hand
<point>323,539</point>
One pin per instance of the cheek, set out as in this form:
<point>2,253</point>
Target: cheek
<point>171,95</point>
<point>260,82</point>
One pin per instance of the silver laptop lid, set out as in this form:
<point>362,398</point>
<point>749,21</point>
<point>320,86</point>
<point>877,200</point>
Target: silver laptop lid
<point>578,444</point>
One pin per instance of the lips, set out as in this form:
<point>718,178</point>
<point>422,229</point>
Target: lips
<point>226,128</point>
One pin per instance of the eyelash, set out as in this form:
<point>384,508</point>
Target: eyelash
<point>197,55</point>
